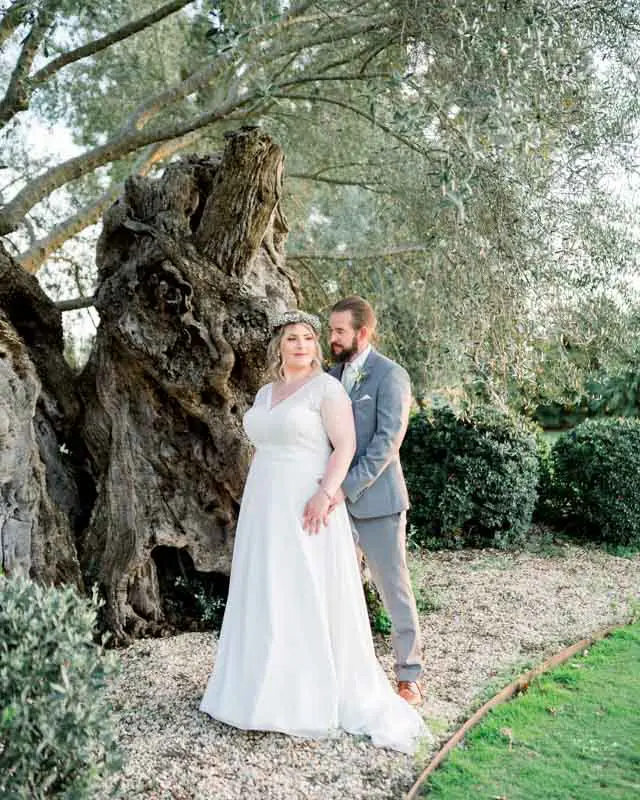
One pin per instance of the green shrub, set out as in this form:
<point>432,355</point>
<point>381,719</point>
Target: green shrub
<point>209,607</point>
<point>595,485</point>
<point>55,736</point>
<point>379,619</point>
<point>472,478</point>
<point>545,509</point>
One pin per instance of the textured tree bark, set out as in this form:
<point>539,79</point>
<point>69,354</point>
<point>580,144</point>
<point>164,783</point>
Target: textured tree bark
<point>190,272</point>
<point>39,496</point>
<point>190,269</point>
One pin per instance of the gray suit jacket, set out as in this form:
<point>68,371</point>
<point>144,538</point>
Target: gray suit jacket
<point>375,485</point>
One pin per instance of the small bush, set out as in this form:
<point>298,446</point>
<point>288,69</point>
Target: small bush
<point>472,478</point>
<point>379,619</point>
<point>595,483</point>
<point>209,606</point>
<point>55,737</point>
<point>544,510</point>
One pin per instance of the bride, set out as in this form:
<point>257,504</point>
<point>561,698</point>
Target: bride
<point>295,653</point>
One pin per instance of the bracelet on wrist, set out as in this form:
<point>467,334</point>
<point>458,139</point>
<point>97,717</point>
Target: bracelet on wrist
<point>326,492</point>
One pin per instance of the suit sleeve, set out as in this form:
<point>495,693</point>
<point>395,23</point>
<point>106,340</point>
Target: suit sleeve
<point>393,406</point>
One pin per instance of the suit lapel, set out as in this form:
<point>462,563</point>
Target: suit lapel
<point>367,368</point>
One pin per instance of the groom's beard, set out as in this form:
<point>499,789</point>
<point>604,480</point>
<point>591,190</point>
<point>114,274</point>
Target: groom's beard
<point>344,354</point>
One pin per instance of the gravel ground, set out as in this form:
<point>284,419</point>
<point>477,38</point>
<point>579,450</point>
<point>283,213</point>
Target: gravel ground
<point>485,616</point>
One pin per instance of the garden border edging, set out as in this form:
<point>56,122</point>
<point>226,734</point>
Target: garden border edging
<point>517,686</point>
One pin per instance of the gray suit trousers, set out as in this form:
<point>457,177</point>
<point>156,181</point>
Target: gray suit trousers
<point>382,539</point>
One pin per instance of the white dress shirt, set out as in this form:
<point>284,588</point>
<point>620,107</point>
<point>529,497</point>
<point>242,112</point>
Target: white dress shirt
<point>351,368</point>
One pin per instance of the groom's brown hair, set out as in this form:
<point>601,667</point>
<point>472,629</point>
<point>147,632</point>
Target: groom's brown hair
<point>361,312</point>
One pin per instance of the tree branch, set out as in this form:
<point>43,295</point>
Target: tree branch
<point>33,258</point>
<point>125,142</point>
<point>359,112</point>
<point>389,252</point>
<point>106,41</point>
<point>12,19</point>
<point>17,96</point>
<point>206,75</point>
<point>318,77</point>
<point>116,148</point>
<point>130,137</point>
<point>75,303</point>
<point>347,164</point>
<point>20,89</point>
<point>304,176</point>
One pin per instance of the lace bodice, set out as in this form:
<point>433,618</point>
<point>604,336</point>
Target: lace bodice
<point>299,424</point>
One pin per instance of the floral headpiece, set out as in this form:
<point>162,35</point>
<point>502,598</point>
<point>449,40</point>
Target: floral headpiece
<point>293,317</point>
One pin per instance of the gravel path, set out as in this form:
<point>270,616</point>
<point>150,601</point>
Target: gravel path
<point>485,615</point>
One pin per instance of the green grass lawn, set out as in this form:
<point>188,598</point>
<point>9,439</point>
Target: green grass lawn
<point>575,735</point>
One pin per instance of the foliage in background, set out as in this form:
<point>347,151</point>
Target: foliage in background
<point>198,600</point>
<point>192,600</point>
<point>603,395</point>
<point>55,734</point>
<point>472,477</point>
<point>595,475</point>
<point>587,366</point>
<point>544,509</point>
<point>470,197</point>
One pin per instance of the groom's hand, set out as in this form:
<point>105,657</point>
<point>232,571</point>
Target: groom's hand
<point>338,497</point>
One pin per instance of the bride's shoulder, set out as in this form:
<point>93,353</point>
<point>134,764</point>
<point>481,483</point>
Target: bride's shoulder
<point>331,386</point>
<point>262,393</point>
<point>329,379</point>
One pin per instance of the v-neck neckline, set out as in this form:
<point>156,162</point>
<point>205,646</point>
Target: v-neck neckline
<point>272,407</point>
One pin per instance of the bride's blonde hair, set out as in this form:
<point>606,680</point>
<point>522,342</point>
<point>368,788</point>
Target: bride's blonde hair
<point>274,351</point>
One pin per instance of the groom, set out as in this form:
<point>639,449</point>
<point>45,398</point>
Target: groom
<point>374,488</point>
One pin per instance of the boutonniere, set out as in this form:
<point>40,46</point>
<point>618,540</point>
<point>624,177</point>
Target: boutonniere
<point>359,375</point>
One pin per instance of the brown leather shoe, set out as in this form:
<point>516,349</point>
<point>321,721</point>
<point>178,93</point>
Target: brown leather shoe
<point>411,692</point>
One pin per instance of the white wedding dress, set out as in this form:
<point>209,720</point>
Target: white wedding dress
<point>295,653</point>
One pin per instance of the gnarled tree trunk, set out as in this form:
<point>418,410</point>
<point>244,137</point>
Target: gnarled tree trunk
<point>190,271</point>
<point>39,495</point>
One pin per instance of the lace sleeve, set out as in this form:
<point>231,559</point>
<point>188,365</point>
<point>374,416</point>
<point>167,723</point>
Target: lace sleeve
<point>332,391</point>
<point>337,418</point>
<point>335,408</point>
<point>262,396</point>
